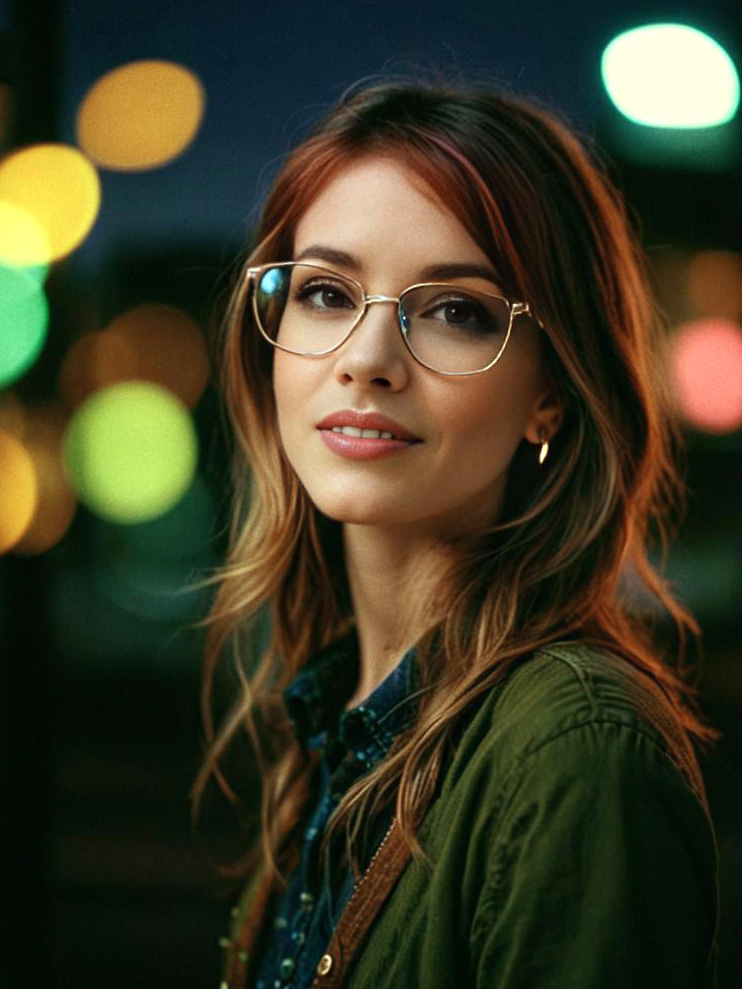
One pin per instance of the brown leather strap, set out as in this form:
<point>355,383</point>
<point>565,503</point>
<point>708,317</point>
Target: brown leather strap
<point>365,903</point>
<point>361,910</point>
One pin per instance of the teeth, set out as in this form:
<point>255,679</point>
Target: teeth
<point>374,434</point>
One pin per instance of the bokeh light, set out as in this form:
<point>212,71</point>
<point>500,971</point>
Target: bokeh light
<point>167,347</point>
<point>59,187</point>
<point>12,414</point>
<point>23,240</point>
<point>18,490</point>
<point>670,75</point>
<point>24,317</point>
<point>147,569</point>
<point>130,451</point>
<point>94,361</point>
<point>670,266</point>
<point>151,342</point>
<point>140,115</point>
<point>706,374</point>
<point>43,429</point>
<point>715,284</point>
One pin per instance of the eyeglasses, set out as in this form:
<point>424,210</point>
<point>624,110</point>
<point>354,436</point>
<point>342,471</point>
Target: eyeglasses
<point>310,310</point>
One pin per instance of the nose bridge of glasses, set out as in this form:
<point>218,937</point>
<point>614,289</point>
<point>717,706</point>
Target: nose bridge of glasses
<point>382,298</point>
<point>369,299</point>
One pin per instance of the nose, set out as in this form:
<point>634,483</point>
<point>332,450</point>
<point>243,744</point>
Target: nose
<point>375,351</point>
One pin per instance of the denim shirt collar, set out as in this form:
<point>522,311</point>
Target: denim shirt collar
<point>315,699</point>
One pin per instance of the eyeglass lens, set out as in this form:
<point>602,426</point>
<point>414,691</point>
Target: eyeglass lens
<point>308,310</point>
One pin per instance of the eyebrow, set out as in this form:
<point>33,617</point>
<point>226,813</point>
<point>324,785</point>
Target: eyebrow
<point>454,269</point>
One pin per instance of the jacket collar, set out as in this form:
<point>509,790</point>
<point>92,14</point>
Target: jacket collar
<point>316,697</point>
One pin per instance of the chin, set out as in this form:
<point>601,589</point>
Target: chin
<point>357,516</point>
<point>357,511</point>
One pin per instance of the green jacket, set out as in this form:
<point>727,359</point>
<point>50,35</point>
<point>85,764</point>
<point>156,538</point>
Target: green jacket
<point>570,853</point>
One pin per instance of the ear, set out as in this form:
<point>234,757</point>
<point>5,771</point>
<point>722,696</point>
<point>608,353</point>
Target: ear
<point>546,415</point>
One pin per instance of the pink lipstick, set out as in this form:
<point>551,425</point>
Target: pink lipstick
<point>365,447</point>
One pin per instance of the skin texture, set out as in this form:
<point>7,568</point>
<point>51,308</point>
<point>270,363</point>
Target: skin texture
<point>398,511</point>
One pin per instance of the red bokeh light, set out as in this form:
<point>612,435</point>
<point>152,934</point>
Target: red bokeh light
<point>706,370</point>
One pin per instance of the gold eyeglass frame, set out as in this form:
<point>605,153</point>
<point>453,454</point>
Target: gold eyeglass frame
<point>514,309</point>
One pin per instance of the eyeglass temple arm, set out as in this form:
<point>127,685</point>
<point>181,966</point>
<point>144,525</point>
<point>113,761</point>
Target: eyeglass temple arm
<point>523,309</point>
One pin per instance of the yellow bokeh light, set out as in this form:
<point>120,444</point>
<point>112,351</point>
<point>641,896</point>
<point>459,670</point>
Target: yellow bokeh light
<point>130,451</point>
<point>140,115</point>
<point>59,188</point>
<point>18,490</point>
<point>24,242</point>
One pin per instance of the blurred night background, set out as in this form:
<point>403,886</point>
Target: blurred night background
<point>117,246</point>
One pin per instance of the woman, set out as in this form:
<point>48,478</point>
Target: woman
<point>452,450</point>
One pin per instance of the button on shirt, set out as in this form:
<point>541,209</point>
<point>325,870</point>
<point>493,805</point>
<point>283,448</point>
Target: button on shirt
<point>352,743</point>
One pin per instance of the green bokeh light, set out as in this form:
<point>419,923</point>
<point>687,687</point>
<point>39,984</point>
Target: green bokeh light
<point>130,451</point>
<point>148,569</point>
<point>670,75</point>
<point>24,317</point>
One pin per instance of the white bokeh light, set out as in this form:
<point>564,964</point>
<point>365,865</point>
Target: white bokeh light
<point>670,75</point>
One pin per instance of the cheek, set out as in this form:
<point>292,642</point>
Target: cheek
<point>295,384</point>
<point>279,376</point>
<point>287,390</point>
<point>492,419</point>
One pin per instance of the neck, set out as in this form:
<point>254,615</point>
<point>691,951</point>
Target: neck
<point>393,581</point>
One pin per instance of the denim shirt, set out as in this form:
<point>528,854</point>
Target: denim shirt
<point>352,743</point>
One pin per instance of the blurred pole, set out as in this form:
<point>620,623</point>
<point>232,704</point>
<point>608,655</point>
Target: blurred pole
<point>26,682</point>
<point>34,67</point>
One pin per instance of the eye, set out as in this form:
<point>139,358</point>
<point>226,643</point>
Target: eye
<point>464,312</point>
<point>460,311</point>
<point>324,295</point>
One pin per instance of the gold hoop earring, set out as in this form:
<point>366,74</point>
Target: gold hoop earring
<point>544,451</point>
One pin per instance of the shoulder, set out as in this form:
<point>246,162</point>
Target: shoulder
<point>563,712</point>
<point>563,686</point>
<point>579,793</point>
<point>562,756</point>
<point>571,682</point>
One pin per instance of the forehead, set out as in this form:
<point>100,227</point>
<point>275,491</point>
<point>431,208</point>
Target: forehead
<point>377,204</point>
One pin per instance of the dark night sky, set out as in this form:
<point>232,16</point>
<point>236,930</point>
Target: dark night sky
<point>270,69</point>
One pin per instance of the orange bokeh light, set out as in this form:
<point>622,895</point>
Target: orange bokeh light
<point>140,115</point>
<point>715,284</point>
<point>18,490</point>
<point>151,342</point>
<point>56,501</point>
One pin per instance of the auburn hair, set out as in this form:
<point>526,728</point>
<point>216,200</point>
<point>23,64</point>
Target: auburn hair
<point>569,558</point>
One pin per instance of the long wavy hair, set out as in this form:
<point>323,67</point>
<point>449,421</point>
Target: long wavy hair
<point>570,556</point>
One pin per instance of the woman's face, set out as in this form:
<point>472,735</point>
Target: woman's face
<point>469,427</point>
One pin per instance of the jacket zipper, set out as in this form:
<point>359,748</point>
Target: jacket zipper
<point>364,877</point>
<point>361,881</point>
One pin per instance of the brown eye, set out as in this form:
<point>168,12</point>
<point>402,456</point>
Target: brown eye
<point>324,295</point>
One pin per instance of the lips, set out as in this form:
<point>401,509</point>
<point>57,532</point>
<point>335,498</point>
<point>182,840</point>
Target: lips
<point>368,420</point>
